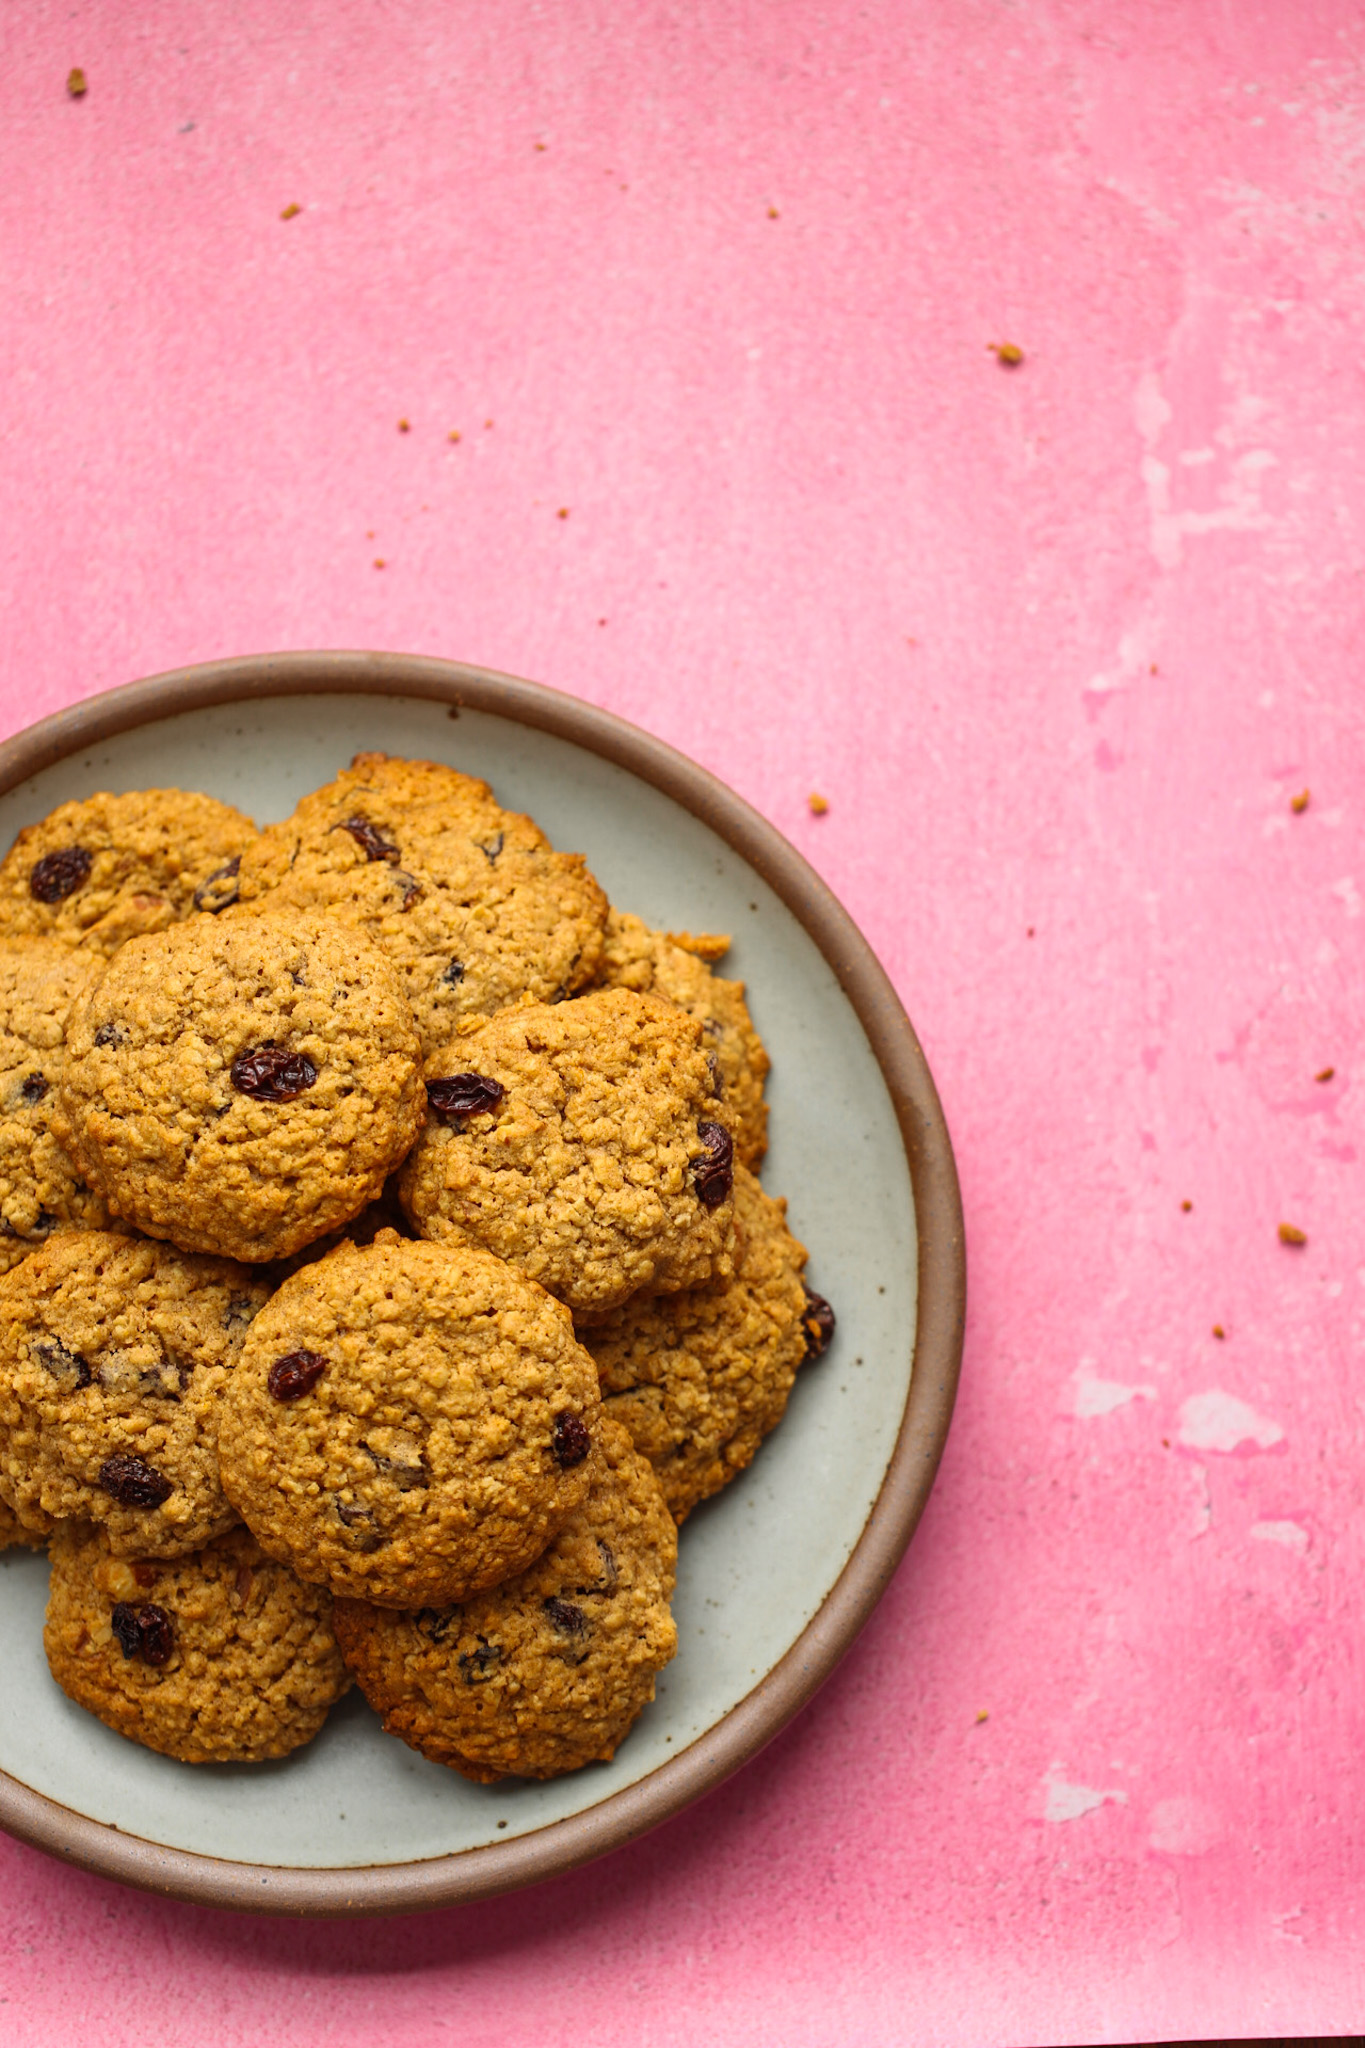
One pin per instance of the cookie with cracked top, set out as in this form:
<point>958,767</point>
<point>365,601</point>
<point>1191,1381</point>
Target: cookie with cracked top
<point>471,902</point>
<point>114,1354</point>
<point>221,1656</point>
<point>411,1423</point>
<point>40,1190</point>
<point>241,1087</point>
<point>700,1379</point>
<point>97,872</point>
<point>677,966</point>
<point>584,1143</point>
<point>550,1671</point>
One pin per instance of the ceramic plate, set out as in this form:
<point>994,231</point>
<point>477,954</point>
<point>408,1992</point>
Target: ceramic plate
<point>777,1574</point>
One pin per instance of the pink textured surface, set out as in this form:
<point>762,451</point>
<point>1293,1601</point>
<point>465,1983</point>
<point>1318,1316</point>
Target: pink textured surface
<point>1058,644</point>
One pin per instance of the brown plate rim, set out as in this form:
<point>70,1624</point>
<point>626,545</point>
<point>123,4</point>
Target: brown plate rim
<point>562,1845</point>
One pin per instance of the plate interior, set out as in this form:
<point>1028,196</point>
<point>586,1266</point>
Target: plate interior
<point>756,1563</point>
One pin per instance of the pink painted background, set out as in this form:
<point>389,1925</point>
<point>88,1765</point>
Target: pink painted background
<point>1059,644</point>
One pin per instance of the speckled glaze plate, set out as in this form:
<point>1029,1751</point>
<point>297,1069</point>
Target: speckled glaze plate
<point>777,1575</point>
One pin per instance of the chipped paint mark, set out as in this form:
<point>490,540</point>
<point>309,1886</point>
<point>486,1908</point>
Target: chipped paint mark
<point>1216,1421</point>
<point>1102,1397</point>
<point>1184,1827</point>
<point>1064,1801</point>
<point>1291,1534</point>
<point>1350,896</point>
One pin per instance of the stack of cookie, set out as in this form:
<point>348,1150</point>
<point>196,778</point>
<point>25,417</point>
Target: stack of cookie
<point>384,1274</point>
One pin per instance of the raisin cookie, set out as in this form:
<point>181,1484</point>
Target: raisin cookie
<point>700,1379</point>
<point>241,1087</point>
<point>584,1143</point>
<point>410,1423</point>
<point>674,965</point>
<point>114,1354</point>
<point>40,1190</point>
<point>98,872</point>
<point>13,1534</point>
<point>548,1672</point>
<point>218,1657</point>
<point>470,901</point>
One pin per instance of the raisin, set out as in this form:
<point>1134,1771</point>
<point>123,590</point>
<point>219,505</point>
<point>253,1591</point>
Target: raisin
<point>240,1309</point>
<point>454,974</point>
<point>714,1172</point>
<point>144,1632</point>
<point>68,1368</point>
<point>295,1375</point>
<point>271,1073</point>
<point>435,1622</point>
<point>477,1665</point>
<point>571,1620</point>
<point>462,1095</point>
<point>109,1035</point>
<point>717,1078</point>
<point>133,1483</point>
<point>817,1320</point>
<point>411,887</point>
<point>361,1524</point>
<point>493,848</point>
<point>219,889</point>
<point>34,1088</point>
<point>57,875</point>
<point>571,1442</point>
<point>368,838</point>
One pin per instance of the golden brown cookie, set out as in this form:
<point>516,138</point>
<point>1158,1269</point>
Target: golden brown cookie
<point>700,1379</point>
<point>584,1143</point>
<point>13,1534</point>
<point>410,1423</point>
<point>550,1671</point>
<point>674,965</point>
<point>242,1086</point>
<point>218,1657</point>
<point>97,872</point>
<point>470,901</point>
<point>114,1354</point>
<point>40,1190</point>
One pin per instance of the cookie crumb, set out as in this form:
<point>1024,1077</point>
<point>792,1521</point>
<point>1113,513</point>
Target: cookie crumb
<point>1029,933</point>
<point>1187,1206</point>
<point>562,513</point>
<point>76,82</point>
<point>488,423</point>
<point>379,561</point>
<point>982,1715</point>
<point>1299,804</point>
<point>405,426</point>
<point>538,145</point>
<point>773,213</point>
<point>1327,1074</point>
<point>817,804</point>
<point>453,435</point>
<point>1291,1234</point>
<point>1007,353</point>
<point>1219,1331</point>
<point>288,212</point>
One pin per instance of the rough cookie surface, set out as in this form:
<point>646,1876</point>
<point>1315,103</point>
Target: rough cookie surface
<point>13,1534</point>
<point>40,1190</point>
<point>470,901</point>
<point>700,1379</point>
<point>114,1354</point>
<point>589,1166</point>
<point>97,872</point>
<point>674,965</point>
<point>220,1657</point>
<point>548,1672</point>
<point>410,1423</point>
<point>242,1086</point>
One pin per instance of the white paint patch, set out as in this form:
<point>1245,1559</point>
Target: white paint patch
<point>1346,889</point>
<point>1291,1534</point>
<point>1184,1827</point>
<point>1216,1421</point>
<point>1069,1802</point>
<point>1102,1397</point>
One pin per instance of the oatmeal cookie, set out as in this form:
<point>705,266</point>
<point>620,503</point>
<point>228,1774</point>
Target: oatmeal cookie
<point>548,1672</point>
<point>218,1657</point>
<point>584,1143</point>
<point>241,1087</point>
<point>699,1379</point>
<point>471,902</point>
<point>114,1354</point>
<point>97,872</point>
<point>40,1190</point>
<point>674,965</point>
<point>411,1422</point>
